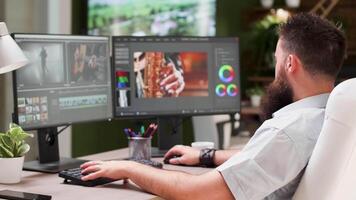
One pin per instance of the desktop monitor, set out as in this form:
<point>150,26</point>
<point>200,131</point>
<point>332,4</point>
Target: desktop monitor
<point>175,76</point>
<point>68,80</point>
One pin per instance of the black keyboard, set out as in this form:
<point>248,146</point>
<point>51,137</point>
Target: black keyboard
<point>74,176</point>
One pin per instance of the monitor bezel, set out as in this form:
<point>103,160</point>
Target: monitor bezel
<point>157,115</point>
<point>15,118</point>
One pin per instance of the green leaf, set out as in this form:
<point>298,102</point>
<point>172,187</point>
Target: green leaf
<point>5,152</point>
<point>15,148</point>
<point>14,132</point>
<point>18,134</point>
<point>21,136</point>
<point>6,142</point>
<point>2,135</point>
<point>13,125</point>
<point>22,150</point>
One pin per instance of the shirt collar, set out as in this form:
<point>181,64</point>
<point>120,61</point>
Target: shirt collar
<point>317,101</point>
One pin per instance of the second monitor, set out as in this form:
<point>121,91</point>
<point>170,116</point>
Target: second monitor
<point>171,77</point>
<point>157,76</point>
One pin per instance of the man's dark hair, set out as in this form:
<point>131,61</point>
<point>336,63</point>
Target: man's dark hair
<point>318,43</point>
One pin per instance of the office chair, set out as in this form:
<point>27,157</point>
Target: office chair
<point>331,172</point>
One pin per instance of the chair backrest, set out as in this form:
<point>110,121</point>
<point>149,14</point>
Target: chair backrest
<point>331,171</point>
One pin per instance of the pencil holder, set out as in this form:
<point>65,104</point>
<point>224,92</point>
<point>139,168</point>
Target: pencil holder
<point>140,148</point>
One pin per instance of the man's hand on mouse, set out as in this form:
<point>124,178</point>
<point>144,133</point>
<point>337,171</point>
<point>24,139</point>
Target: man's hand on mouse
<point>182,155</point>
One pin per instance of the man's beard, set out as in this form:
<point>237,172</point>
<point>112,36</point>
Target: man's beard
<point>278,94</point>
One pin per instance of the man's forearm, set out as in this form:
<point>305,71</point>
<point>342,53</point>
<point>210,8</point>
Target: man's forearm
<point>179,185</point>
<point>223,155</point>
<point>164,183</point>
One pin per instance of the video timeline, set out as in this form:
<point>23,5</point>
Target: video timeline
<point>82,101</point>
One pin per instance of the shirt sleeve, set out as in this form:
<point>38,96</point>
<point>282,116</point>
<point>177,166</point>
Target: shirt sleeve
<point>269,161</point>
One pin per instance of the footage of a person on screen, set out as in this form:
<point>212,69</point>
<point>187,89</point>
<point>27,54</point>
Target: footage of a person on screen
<point>43,56</point>
<point>78,65</point>
<point>171,80</point>
<point>82,70</point>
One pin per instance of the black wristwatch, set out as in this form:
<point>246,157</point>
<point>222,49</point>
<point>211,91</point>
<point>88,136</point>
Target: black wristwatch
<point>206,157</point>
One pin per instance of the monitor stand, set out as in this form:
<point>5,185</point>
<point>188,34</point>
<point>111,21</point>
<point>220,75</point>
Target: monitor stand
<point>49,160</point>
<point>170,133</point>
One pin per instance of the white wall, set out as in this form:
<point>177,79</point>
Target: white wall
<point>26,16</point>
<point>33,16</point>
<point>60,16</point>
<point>60,22</point>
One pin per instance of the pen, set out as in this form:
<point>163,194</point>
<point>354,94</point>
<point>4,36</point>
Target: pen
<point>127,133</point>
<point>131,133</point>
<point>148,130</point>
<point>142,130</point>
<point>154,130</point>
<point>136,134</point>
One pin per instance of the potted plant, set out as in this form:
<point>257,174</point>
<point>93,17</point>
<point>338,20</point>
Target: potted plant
<point>12,150</point>
<point>255,95</point>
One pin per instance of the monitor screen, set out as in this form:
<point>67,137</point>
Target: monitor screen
<point>67,80</point>
<point>175,75</point>
<point>154,17</point>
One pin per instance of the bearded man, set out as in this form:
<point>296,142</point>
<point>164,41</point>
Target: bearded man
<point>309,54</point>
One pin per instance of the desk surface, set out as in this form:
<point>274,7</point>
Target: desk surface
<point>51,184</point>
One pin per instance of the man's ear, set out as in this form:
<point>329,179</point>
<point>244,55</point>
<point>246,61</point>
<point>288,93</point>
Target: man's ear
<point>293,63</point>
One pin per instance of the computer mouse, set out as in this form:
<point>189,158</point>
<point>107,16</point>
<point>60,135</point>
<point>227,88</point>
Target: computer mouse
<point>167,159</point>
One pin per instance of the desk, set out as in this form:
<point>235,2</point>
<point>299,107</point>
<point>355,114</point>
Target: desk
<point>51,184</point>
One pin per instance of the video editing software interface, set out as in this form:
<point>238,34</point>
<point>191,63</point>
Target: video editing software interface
<point>175,75</point>
<point>67,80</point>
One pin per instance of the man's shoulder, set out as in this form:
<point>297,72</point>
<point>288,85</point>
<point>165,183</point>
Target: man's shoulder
<point>300,119</point>
<point>301,127</point>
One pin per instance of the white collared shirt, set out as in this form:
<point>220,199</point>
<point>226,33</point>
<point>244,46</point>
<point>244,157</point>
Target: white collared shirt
<point>271,164</point>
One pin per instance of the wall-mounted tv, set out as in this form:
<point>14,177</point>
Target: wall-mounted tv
<point>151,18</point>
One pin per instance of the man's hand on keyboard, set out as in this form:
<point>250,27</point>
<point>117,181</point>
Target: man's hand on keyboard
<point>112,169</point>
<point>109,169</point>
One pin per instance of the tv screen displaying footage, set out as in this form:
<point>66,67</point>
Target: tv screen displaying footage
<point>67,80</point>
<point>154,17</point>
<point>175,75</point>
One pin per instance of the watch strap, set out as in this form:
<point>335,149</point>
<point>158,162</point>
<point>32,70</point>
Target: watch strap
<point>206,157</point>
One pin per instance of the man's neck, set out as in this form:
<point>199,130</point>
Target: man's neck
<point>312,88</point>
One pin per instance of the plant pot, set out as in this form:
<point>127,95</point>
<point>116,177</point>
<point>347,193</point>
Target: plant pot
<point>267,3</point>
<point>11,170</point>
<point>255,100</point>
<point>293,3</point>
